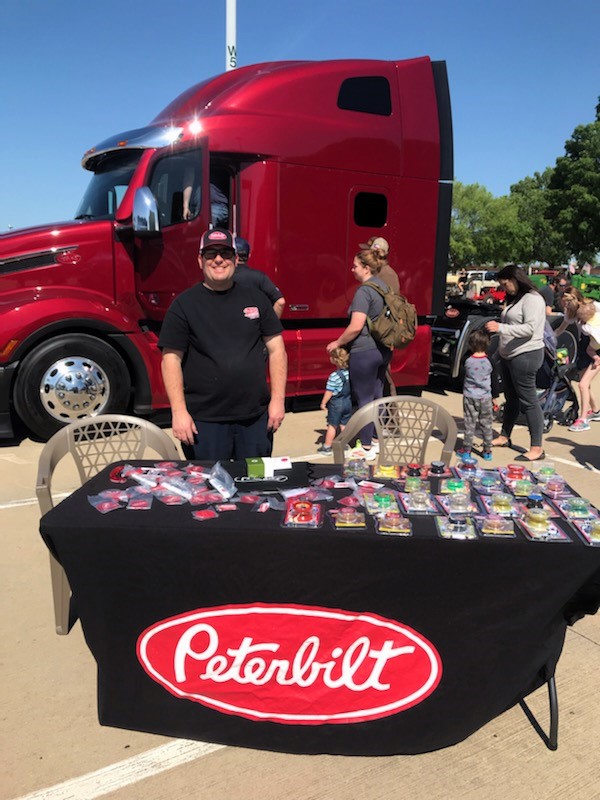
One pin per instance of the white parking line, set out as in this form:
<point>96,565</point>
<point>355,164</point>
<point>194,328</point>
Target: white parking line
<point>124,773</point>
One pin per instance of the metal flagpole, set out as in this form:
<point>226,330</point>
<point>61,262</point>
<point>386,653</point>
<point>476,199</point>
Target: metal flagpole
<point>230,35</point>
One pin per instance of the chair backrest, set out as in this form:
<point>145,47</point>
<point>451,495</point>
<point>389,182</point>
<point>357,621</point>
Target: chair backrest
<point>403,425</point>
<point>95,442</point>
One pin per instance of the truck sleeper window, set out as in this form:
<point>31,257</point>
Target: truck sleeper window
<point>371,95</point>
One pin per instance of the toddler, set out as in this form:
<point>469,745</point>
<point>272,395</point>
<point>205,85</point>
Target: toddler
<point>588,321</point>
<point>477,394</point>
<point>336,399</point>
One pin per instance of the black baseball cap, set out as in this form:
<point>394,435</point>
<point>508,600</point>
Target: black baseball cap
<point>242,246</point>
<point>217,237</point>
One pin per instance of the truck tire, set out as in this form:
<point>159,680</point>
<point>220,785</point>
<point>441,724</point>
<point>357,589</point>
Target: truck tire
<point>67,378</point>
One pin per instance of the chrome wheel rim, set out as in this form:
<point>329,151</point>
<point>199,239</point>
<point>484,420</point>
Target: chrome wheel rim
<point>74,387</point>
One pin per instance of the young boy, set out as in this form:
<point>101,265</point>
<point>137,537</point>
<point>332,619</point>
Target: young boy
<point>336,399</point>
<point>477,394</point>
<point>588,320</point>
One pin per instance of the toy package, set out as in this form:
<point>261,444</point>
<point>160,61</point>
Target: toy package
<point>542,529</point>
<point>346,518</point>
<point>494,525</point>
<point>302,514</point>
<point>419,503</point>
<point>500,504</point>
<point>457,503</point>
<point>456,527</point>
<point>392,523</point>
<point>589,530</point>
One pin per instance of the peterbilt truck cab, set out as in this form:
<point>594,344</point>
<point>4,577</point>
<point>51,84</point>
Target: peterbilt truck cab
<point>304,159</point>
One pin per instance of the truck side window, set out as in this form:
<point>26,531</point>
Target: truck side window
<point>371,95</point>
<point>176,184</point>
<point>370,210</point>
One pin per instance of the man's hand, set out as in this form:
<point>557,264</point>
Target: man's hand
<point>184,427</point>
<point>276,414</point>
<point>492,326</point>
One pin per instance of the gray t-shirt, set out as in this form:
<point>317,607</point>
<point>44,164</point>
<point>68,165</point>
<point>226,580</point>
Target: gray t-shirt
<point>522,326</point>
<point>478,377</point>
<point>370,303</point>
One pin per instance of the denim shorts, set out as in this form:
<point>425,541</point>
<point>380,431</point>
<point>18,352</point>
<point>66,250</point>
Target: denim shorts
<point>339,411</point>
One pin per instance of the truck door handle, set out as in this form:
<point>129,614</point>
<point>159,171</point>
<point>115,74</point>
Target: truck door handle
<point>299,307</point>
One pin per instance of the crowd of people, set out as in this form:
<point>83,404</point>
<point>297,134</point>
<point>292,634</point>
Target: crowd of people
<point>218,334</point>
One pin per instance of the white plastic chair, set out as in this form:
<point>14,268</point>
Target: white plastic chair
<point>94,443</point>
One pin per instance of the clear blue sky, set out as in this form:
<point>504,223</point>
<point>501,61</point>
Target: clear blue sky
<point>522,76</point>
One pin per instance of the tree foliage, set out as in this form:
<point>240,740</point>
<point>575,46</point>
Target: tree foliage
<point>484,229</point>
<point>574,191</point>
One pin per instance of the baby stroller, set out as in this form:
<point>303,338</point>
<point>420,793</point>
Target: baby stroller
<point>554,381</point>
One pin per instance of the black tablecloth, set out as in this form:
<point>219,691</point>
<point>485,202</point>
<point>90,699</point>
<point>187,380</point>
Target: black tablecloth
<point>487,617</point>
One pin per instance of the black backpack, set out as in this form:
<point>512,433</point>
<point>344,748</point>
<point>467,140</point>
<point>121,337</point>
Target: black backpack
<point>396,326</point>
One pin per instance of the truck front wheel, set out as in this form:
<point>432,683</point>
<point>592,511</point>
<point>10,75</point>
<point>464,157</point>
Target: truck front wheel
<point>67,378</point>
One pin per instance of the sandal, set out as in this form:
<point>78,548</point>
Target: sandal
<point>507,443</point>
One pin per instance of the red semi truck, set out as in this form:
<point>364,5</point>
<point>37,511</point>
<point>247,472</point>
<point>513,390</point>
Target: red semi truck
<point>304,159</point>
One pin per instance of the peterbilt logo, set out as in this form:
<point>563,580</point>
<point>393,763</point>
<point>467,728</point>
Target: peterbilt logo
<point>297,665</point>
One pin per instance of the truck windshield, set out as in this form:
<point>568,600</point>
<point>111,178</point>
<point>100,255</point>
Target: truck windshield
<point>106,189</point>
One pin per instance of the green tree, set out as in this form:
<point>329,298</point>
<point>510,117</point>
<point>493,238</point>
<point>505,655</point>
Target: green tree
<point>470,204</point>
<point>484,229</point>
<point>543,241</point>
<point>574,191</point>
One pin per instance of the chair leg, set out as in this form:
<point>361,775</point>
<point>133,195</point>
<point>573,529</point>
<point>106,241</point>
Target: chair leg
<point>61,596</point>
<point>550,739</point>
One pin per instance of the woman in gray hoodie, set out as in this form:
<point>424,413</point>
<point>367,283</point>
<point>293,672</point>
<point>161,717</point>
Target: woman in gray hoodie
<point>521,351</point>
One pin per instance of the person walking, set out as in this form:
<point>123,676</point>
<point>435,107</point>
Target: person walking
<point>477,394</point>
<point>368,359</point>
<point>213,339</point>
<point>587,358</point>
<point>336,399</point>
<point>381,249</point>
<point>521,352</point>
<point>248,276</point>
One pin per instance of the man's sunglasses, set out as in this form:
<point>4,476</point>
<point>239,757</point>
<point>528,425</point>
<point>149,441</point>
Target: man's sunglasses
<point>212,252</point>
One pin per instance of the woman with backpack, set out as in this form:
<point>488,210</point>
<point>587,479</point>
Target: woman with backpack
<point>369,359</point>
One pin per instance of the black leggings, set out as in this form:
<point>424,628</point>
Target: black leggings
<point>367,370</point>
<point>518,377</point>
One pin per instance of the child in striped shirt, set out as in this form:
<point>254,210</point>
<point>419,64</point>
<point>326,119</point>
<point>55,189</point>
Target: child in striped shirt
<point>336,400</point>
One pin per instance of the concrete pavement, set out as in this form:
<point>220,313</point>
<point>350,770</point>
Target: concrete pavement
<point>50,732</point>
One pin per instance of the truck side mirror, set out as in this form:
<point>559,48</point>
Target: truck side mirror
<point>145,213</point>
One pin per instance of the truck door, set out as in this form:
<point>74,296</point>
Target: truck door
<point>167,264</point>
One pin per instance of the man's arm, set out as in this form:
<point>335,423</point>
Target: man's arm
<point>278,377</point>
<point>184,427</point>
<point>278,306</point>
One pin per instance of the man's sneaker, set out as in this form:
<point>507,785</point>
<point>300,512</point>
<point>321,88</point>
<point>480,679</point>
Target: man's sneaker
<point>593,416</point>
<point>580,425</point>
<point>324,449</point>
<point>371,454</point>
<point>462,452</point>
<point>487,455</point>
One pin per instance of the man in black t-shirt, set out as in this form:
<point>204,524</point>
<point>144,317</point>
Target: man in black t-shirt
<point>213,366</point>
<point>254,277</point>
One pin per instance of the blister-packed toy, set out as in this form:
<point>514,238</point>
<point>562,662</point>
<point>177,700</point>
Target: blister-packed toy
<point>302,514</point>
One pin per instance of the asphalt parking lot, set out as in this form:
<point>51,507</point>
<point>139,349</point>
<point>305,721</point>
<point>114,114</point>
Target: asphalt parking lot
<point>55,749</point>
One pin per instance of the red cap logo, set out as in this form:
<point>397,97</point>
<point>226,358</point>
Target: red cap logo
<point>216,235</point>
<point>297,665</point>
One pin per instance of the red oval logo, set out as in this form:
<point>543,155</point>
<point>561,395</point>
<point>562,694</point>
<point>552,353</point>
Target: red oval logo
<point>452,312</point>
<point>68,258</point>
<point>297,665</point>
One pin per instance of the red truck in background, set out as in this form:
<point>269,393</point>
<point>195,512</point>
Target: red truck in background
<point>304,159</point>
